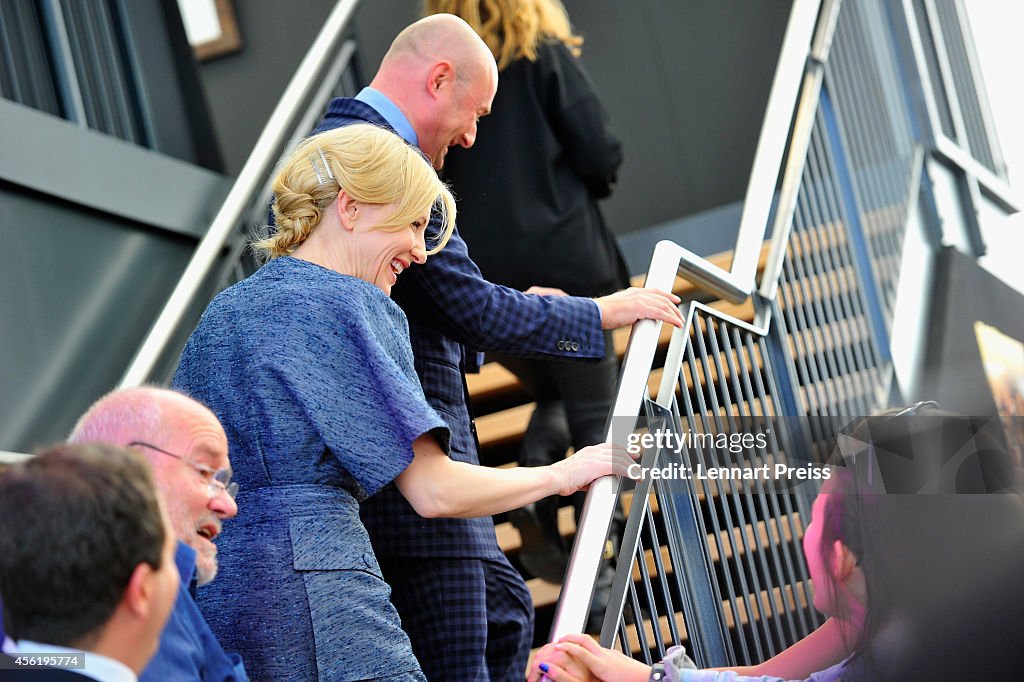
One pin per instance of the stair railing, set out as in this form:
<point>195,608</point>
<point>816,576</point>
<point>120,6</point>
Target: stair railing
<point>732,583</point>
<point>12,457</point>
<point>805,34</point>
<point>308,91</point>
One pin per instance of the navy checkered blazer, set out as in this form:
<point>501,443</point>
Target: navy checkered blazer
<point>451,308</point>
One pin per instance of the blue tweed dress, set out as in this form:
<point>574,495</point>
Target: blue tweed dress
<point>311,374</point>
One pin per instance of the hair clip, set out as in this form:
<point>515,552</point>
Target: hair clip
<point>320,178</point>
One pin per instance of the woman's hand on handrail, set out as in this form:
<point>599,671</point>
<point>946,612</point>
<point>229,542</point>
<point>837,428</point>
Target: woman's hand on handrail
<point>580,469</point>
<point>438,486</point>
<point>578,658</point>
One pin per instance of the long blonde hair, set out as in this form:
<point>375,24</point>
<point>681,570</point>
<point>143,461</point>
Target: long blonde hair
<point>512,28</point>
<point>372,165</point>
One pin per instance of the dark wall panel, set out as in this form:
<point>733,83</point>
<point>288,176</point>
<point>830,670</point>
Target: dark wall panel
<point>80,290</point>
<point>243,88</point>
<point>686,85</point>
<point>966,293</point>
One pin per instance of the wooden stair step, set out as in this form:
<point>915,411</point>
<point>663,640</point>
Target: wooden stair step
<point>543,593</point>
<point>510,541</point>
<point>757,535</point>
<point>748,609</point>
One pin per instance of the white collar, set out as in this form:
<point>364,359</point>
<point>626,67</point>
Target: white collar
<point>97,666</point>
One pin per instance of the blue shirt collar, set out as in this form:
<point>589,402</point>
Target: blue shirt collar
<point>185,560</point>
<point>391,113</point>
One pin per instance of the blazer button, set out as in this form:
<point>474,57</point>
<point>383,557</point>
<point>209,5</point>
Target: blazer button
<point>575,346</point>
<point>560,345</point>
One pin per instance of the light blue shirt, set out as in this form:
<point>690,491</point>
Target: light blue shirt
<point>188,650</point>
<point>390,112</point>
<point>97,666</point>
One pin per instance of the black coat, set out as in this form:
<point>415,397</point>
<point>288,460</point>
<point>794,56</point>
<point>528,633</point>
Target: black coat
<point>527,189</point>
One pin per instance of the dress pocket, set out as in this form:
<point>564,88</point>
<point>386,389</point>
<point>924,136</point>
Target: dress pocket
<point>330,543</point>
<point>356,630</point>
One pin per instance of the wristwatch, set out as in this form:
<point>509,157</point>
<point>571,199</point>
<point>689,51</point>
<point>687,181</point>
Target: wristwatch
<point>657,673</point>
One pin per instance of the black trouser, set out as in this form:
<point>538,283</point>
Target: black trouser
<point>585,390</point>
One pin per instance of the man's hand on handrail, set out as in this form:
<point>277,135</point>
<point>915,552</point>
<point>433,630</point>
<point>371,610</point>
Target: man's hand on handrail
<point>625,307</point>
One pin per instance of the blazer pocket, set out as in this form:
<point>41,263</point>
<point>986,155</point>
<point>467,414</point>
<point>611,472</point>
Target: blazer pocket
<point>442,383</point>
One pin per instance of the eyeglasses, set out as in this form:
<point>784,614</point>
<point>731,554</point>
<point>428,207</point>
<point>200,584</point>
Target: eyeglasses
<point>219,480</point>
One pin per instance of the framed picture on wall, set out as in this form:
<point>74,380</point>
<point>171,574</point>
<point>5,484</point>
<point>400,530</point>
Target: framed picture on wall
<point>1003,359</point>
<point>974,361</point>
<point>211,27</point>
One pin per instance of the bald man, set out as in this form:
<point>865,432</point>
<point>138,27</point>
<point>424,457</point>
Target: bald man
<point>188,451</point>
<point>467,611</point>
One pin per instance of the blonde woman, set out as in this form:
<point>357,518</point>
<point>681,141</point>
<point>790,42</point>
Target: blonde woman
<point>307,364</point>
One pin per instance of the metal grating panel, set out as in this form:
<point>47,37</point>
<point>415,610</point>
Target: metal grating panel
<point>26,72</point>
<point>967,94</point>
<point>108,88</point>
<point>934,75</point>
<point>877,143</point>
<point>718,567</point>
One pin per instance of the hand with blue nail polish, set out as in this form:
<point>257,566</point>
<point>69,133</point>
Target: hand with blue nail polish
<point>551,664</point>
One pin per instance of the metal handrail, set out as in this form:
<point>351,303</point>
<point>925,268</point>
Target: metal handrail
<point>323,53</point>
<point>805,35</point>
<point>803,125</point>
<point>771,145</point>
<point>578,585</point>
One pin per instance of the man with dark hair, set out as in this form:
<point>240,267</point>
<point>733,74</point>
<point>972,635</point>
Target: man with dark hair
<point>86,563</point>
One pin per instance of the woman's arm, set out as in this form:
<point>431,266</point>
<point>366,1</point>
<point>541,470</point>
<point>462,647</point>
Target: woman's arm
<point>819,650</point>
<point>578,658</point>
<point>437,486</point>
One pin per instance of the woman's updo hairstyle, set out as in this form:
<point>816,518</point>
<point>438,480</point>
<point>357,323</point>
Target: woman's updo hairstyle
<point>372,165</point>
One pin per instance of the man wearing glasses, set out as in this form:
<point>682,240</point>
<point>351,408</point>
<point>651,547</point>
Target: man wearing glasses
<point>188,451</point>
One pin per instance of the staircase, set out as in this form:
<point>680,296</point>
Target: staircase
<point>798,326</point>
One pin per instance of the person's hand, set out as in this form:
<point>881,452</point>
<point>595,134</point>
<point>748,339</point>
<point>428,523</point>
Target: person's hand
<point>545,291</point>
<point>625,307</point>
<point>577,471</point>
<point>550,663</point>
<point>573,651</point>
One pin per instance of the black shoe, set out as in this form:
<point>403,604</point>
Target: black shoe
<point>543,551</point>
